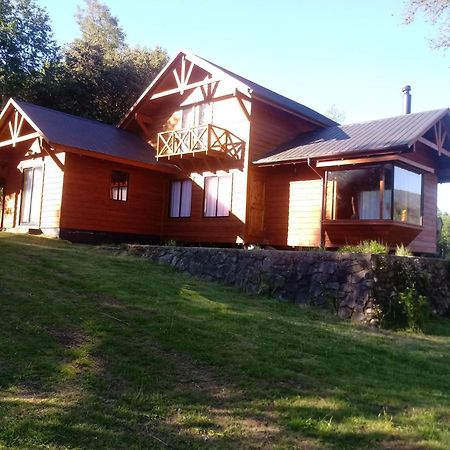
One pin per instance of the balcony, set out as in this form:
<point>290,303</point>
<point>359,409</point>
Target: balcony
<point>204,139</point>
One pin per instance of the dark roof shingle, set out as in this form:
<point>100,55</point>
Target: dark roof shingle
<point>76,132</point>
<point>391,133</point>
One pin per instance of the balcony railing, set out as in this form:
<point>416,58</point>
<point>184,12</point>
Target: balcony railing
<point>208,139</point>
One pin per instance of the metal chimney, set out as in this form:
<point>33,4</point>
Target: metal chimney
<point>406,99</point>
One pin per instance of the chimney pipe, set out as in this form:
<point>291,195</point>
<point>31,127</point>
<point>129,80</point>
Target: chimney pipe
<point>406,99</point>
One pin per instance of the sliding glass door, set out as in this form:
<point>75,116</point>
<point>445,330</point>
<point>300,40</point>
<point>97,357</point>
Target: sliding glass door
<point>31,196</point>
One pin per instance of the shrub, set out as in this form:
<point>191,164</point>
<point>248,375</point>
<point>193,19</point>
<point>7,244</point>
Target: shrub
<point>401,250</point>
<point>374,247</point>
<point>415,307</point>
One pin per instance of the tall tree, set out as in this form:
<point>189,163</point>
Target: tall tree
<point>104,75</point>
<point>27,47</point>
<point>438,13</point>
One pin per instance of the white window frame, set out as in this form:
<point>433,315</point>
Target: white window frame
<point>218,196</point>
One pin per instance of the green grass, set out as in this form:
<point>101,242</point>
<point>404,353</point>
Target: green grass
<point>99,350</point>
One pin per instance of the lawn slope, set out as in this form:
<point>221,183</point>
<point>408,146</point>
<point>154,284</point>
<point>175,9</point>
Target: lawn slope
<point>99,350</point>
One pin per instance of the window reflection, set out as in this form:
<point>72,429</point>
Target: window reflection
<point>372,193</point>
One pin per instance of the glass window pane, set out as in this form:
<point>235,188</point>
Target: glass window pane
<point>211,184</point>
<point>26,195</point>
<point>353,194</point>
<point>407,196</point>
<point>224,196</point>
<point>186,198</point>
<point>36,196</point>
<point>175,196</point>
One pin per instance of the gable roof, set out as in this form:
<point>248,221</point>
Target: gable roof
<point>244,85</point>
<point>398,132</point>
<point>66,130</point>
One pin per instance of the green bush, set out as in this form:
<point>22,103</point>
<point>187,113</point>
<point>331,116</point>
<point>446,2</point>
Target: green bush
<point>401,250</point>
<point>415,307</point>
<point>374,247</point>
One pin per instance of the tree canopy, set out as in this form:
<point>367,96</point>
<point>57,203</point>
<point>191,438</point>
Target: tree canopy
<point>438,13</point>
<point>96,75</point>
<point>27,47</point>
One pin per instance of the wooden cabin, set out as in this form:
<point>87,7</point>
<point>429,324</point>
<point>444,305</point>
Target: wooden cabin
<point>206,156</point>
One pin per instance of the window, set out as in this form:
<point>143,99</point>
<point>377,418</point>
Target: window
<point>31,196</point>
<point>407,196</point>
<point>180,198</point>
<point>374,192</point>
<point>218,196</point>
<point>196,115</point>
<point>119,185</point>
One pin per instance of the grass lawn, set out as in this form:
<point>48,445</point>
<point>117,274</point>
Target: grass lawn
<point>105,351</point>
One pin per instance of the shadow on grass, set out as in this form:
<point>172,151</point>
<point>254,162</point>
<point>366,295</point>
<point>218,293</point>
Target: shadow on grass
<point>157,359</point>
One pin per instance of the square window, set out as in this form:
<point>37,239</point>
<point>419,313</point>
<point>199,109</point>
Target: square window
<point>218,196</point>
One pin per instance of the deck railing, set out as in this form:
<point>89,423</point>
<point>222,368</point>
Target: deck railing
<point>209,139</point>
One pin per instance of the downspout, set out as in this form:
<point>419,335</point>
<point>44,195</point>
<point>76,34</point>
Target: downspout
<point>322,237</point>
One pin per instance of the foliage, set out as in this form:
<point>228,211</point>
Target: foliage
<point>103,76</point>
<point>27,48</point>
<point>438,13</point>
<point>415,307</point>
<point>406,306</point>
<point>334,113</point>
<point>96,76</point>
<point>118,352</point>
<point>444,236</point>
<point>401,250</point>
<point>374,247</point>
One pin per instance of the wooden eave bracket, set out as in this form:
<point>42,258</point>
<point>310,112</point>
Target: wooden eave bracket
<point>440,135</point>
<point>45,146</point>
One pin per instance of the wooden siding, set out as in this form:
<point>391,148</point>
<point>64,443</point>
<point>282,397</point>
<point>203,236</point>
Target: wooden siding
<point>293,206</point>
<point>198,228</point>
<point>272,127</point>
<point>50,206</point>
<point>87,203</point>
<point>52,193</point>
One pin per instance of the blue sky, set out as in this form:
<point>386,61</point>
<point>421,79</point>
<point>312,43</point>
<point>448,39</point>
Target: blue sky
<point>356,55</point>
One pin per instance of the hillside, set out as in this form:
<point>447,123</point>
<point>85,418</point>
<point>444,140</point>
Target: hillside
<point>100,350</point>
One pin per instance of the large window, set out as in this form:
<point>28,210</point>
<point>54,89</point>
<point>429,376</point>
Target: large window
<point>31,196</point>
<point>180,198</point>
<point>119,185</point>
<point>376,192</point>
<point>218,196</point>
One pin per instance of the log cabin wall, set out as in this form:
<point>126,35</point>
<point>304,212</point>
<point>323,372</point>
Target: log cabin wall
<point>87,202</point>
<point>293,206</point>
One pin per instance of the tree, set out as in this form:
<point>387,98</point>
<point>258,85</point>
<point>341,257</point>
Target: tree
<point>27,47</point>
<point>103,75</point>
<point>335,114</point>
<point>444,236</point>
<point>438,13</point>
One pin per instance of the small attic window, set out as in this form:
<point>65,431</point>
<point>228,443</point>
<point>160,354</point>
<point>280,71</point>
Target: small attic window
<point>119,185</point>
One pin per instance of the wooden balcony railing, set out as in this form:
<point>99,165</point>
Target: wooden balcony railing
<point>208,139</point>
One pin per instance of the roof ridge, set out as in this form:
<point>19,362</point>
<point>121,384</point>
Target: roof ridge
<point>394,117</point>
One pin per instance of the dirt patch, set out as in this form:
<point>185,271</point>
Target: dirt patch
<point>67,338</point>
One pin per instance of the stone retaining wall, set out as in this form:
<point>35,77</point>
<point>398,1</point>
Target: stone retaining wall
<point>352,284</point>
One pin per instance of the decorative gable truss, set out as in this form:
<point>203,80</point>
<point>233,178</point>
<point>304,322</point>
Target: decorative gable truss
<point>187,81</point>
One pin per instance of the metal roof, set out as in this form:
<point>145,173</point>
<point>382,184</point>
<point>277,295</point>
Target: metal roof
<point>254,89</point>
<point>374,136</point>
<point>63,129</point>
<point>260,91</point>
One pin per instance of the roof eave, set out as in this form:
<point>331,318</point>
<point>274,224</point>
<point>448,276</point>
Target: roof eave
<point>356,154</point>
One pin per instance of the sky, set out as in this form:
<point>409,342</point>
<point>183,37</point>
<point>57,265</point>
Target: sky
<point>356,55</point>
